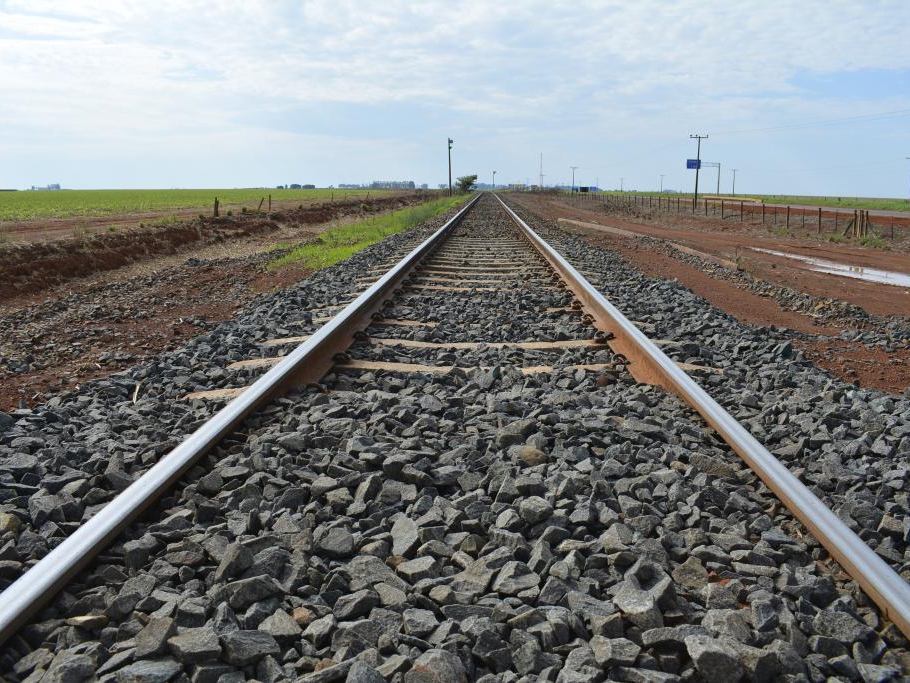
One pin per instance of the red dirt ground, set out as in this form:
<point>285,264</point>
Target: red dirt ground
<point>864,365</point>
<point>733,241</point>
<point>77,310</point>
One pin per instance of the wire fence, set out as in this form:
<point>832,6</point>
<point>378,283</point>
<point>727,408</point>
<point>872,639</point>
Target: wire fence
<point>835,223</point>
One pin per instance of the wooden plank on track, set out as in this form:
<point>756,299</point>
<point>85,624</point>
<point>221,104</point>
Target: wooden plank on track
<point>266,362</point>
<point>536,272</point>
<point>253,363</point>
<point>417,344</point>
<point>467,269</point>
<point>503,263</point>
<point>527,346</point>
<point>389,366</point>
<point>448,288</point>
<point>481,281</point>
<point>214,394</point>
<point>474,288</point>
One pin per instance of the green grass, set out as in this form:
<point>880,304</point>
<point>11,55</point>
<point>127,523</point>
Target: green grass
<point>342,242</point>
<point>874,241</point>
<point>874,203</point>
<point>28,205</point>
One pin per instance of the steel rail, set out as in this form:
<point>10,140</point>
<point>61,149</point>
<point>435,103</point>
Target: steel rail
<point>307,363</point>
<point>880,582</point>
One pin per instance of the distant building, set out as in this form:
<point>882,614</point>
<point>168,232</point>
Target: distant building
<point>52,186</point>
<point>392,185</point>
<point>349,186</point>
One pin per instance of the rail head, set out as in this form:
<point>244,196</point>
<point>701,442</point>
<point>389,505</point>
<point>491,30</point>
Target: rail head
<point>880,582</point>
<point>307,363</point>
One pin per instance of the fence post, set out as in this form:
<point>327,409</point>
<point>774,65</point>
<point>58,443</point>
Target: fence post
<point>721,209</point>
<point>270,203</point>
<point>892,227</point>
<point>819,220</point>
<point>788,219</point>
<point>835,221</point>
<point>216,207</point>
<point>763,213</point>
<point>740,212</point>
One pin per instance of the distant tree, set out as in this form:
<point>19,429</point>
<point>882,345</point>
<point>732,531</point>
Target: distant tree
<point>466,183</point>
<point>295,186</point>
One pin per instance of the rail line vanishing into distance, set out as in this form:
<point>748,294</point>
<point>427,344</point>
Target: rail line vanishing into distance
<point>456,261</point>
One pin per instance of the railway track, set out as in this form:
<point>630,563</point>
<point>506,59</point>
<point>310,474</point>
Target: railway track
<point>475,466</point>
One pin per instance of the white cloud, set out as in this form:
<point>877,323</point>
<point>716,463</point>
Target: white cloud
<point>99,73</point>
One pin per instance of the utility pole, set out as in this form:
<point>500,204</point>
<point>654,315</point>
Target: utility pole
<point>573,177</point>
<point>718,178</point>
<point>494,181</point>
<point>450,166</point>
<point>620,183</point>
<point>734,181</point>
<point>661,182</point>
<point>697,165</point>
<point>541,170</point>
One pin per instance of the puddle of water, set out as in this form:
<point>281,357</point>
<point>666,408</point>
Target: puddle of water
<point>882,277</point>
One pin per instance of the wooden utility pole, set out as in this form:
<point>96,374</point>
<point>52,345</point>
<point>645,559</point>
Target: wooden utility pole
<point>697,167</point>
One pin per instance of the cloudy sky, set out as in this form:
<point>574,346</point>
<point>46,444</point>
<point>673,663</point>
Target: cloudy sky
<point>802,96</point>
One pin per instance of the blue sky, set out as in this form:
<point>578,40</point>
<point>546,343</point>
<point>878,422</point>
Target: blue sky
<point>801,97</point>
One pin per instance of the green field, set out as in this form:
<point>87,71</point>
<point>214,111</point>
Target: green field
<point>340,243</point>
<point>872,203</point>
<point>28,205</point>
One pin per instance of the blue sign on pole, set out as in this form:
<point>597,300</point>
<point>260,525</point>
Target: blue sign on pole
<point>693,163</point>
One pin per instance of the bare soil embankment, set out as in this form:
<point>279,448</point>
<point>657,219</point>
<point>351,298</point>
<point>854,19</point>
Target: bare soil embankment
<point>28,268</point>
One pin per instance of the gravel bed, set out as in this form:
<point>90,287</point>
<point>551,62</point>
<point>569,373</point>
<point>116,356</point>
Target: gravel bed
<point>480,525</point>
<point>849,445</point>
<point>62,461</point>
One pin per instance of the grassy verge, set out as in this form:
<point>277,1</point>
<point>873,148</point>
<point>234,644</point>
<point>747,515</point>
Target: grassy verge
<point>342,242</point>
